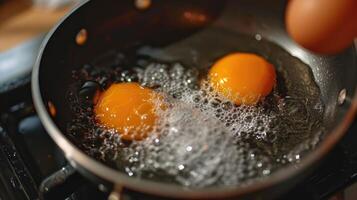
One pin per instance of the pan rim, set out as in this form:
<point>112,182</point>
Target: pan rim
<point>74,154</point>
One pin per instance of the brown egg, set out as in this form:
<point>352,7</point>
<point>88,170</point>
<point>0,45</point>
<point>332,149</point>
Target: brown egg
<point>323,26</point>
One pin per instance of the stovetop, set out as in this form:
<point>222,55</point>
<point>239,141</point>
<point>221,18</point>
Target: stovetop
<point>28,156</point>
<point>27,153</point>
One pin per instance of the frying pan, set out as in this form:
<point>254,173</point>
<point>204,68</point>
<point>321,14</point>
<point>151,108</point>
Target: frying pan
<point>122,24</point>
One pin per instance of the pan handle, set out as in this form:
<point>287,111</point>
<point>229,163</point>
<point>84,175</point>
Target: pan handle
<point>61,184</point>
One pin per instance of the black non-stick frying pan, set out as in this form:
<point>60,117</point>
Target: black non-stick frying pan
<point>106,25</point>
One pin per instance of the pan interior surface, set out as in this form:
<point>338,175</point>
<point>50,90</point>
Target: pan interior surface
<point>266,137</point>
<point>313,79</point>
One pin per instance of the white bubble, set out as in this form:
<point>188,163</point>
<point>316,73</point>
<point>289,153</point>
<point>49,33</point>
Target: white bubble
<point>188,148</point>
<point>181,167</point>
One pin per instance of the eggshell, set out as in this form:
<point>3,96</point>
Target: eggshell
<point>323,26</point>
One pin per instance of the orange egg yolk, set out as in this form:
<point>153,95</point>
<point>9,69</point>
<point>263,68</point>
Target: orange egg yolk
<point>243,78</point>
<point>128,108</point>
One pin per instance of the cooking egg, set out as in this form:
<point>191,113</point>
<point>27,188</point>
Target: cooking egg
<point>323,26</point>
<point>243,78</point>
<point>128,108</point>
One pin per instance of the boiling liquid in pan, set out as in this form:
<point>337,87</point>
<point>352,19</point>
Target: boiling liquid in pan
<point>203,140</point>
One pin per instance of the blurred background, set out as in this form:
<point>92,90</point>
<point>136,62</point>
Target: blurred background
<point>23,25</point>
<point>22,20</point>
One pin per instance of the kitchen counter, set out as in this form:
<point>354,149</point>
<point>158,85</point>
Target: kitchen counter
<point>24,22</point>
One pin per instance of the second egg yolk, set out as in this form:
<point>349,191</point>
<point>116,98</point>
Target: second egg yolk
<point>128,108</point>
<point>243,78</point>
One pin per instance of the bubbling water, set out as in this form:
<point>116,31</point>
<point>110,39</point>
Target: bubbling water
<point>201,139</point>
